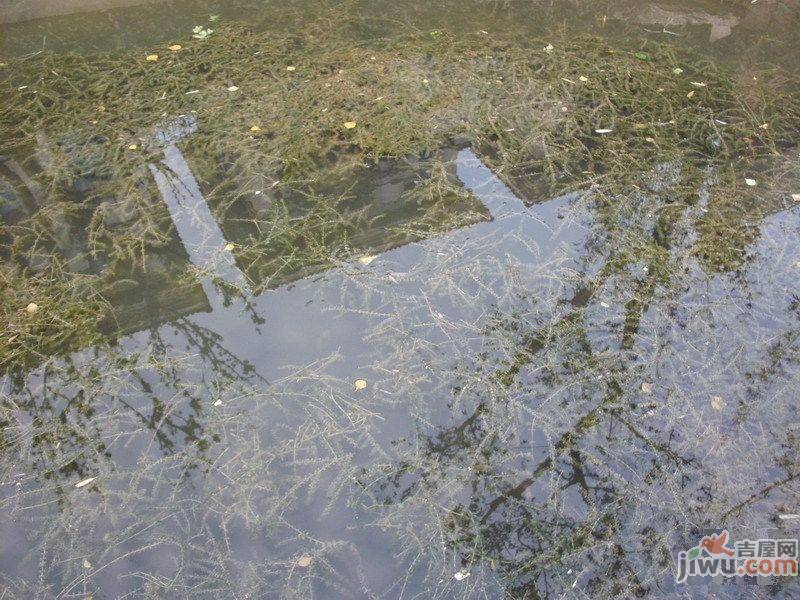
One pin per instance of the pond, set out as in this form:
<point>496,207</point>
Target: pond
<point>370,299</point>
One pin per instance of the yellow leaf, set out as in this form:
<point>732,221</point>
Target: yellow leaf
<point>583,78</point>
<point>86,564</point>
<point>229,247</point>
<point>290,68</point>
<point>85,482</point>
<point>32,308</point>
<point>360,384</point>
<point>350,125</point>
<point>152,58</point>
<point>304,561</point>
<point>717,403</point>
<point>255,129</point>
<point>365,260</point>
<point>796,197</point>
<point>133,147</point>
<point>176,47</point>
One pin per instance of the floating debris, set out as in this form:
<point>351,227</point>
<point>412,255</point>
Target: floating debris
<point>718,402</point>
<point>461,575</point>
<point>85,482</point>
<point>200,33</point>
<point>360,384</point>
<point>304,561</point>
<point>152,58</point>
<point>32,308</point>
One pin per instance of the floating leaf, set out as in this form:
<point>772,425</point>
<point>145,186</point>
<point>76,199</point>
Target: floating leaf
<point>365,260</point>
<point>291,68</point>
<point>717,402</point>
<point>86,564</point>
<point>229,247</point>
<point>133,147</point>
<point>603,131</point>
<point>304,561</point>
<point>693,553</point>
<point>218,403</point>
<point>647,387</point>
<point>152,58</point>
<point>360,384</point>
<point>642,56</point>
<point>583,78</point>
<point>461,575</point>
<point>176,47</point>
<point>699,83</point>
<point>85,482</point>
<point>255,129</point>
<point>677,71</point>
<point>796,197</point>
<point>549,48</point>
<point>350,125</point>
<point>751,182</point>
<point>32,308</point>
<point>233,88</point>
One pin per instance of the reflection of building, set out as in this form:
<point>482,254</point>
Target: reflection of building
<point>365,210</point>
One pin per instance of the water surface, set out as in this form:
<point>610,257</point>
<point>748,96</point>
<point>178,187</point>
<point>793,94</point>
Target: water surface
<point>484,412</point>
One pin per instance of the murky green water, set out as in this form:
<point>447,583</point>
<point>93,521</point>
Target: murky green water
<point>448,384</point>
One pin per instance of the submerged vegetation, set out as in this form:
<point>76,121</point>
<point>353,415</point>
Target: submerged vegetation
<point>510,408</point>
<point>281,115</point>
